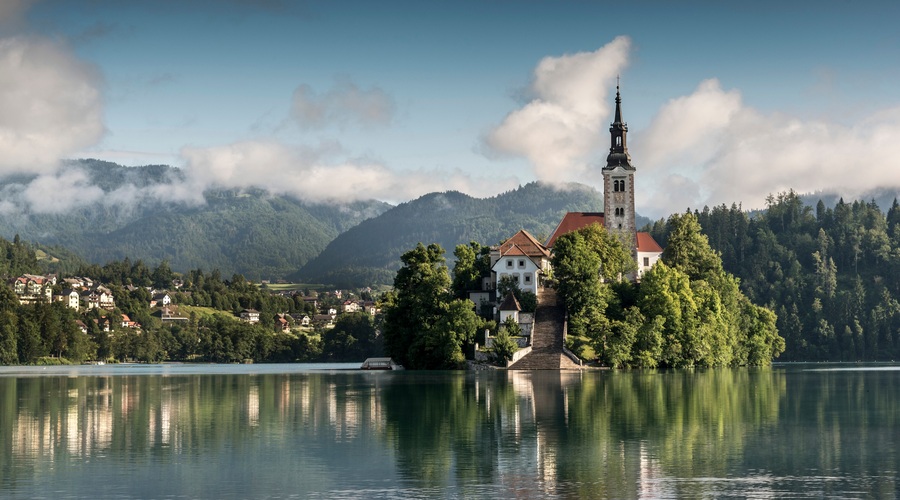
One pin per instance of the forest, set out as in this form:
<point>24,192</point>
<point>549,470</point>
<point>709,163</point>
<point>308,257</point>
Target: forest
<point>830,273</point>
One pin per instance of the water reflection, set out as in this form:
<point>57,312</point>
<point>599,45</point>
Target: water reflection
<point>766,433</point>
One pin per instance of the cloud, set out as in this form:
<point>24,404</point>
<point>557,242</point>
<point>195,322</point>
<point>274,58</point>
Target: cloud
<point>342,105</point>
<point>319,175</point>
<point>723,151</point>
<point>560,128</point>
<point>58,193</point>
<point>52,105</point>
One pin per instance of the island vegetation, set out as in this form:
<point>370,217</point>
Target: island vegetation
<point>686,311</point>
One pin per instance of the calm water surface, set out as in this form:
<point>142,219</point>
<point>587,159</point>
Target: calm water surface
<point>317,431</point>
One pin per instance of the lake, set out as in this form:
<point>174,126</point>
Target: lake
<point>328,431</point>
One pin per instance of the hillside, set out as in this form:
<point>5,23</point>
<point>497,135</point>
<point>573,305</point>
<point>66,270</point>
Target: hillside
<point>250,232</point>
<point>370,252</point>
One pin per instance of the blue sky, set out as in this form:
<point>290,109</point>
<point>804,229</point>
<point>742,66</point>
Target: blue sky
<point>331,101</point>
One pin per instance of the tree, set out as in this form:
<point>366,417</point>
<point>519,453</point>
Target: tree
<point>8,337</point>
<point>353,338</point>
<point>666,294</point>
<point>420,293</point>
<point>688,248</point>
<point>503,346</point>
<point>424,327</point>
<point>576,268</point>
<point>469,268</point>
<point>162,276</point>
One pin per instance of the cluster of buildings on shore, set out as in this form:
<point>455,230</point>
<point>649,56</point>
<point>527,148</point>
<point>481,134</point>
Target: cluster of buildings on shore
<point>324,317</point>
<point>77,293</point>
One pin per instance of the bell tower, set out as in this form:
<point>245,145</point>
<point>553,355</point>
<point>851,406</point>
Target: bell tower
<point>618,183</point>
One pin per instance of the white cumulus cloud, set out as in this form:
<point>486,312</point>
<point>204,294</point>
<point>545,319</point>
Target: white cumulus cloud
<point>709,148</point>
<point>558,130</point>
<point>51,105</point>
<point>57,193</point>
<point>310,174</point>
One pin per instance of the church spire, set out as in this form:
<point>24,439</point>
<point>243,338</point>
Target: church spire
<point>618,131</point>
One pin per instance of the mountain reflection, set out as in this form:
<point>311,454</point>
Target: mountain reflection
<point>493,433</point>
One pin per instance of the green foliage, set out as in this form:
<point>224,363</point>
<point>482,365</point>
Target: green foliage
<point>472,262</point>
<point>688,248</point>
<point>425,327</point>
<point>353,338</point>
<point>17,258</point>
<point>831,274</point>
<point>503,347</point>
<point>577,268</point>
<point>511,326</point>
<point>687,311</point>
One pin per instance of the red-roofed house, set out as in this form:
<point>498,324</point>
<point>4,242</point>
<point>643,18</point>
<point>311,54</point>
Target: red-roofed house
<point>648,252</point>
<point>523,258</point>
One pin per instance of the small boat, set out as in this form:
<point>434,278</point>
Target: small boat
<point>380,364</point>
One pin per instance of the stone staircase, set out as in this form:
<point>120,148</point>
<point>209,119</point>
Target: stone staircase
<point>547,337</point>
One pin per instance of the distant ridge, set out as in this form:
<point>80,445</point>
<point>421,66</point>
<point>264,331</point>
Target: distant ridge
<point>250,232</point>
<point>370,252</point>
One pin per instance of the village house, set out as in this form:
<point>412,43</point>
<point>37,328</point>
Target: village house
<point>281,323</point>
<point>106,298</point>
<point>70,298</point>
<point>301,319</point>
<point>350,306</point>
<point>521,258</point>
<point>324,320</point>
<point>250,315</point>
<point>170,314</point>
<point>104,324</point>
<point>128,323</point>
<point>160,299</point>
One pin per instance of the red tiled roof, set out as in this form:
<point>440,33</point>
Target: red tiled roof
<point>573,221</point>
<point>646,243</point>
<point>523,243</point>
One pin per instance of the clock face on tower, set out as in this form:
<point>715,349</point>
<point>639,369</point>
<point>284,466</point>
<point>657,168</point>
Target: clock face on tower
<point>619,197</point>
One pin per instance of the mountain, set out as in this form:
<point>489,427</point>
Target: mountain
<point>370,252</point>
<point>248,232</point>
